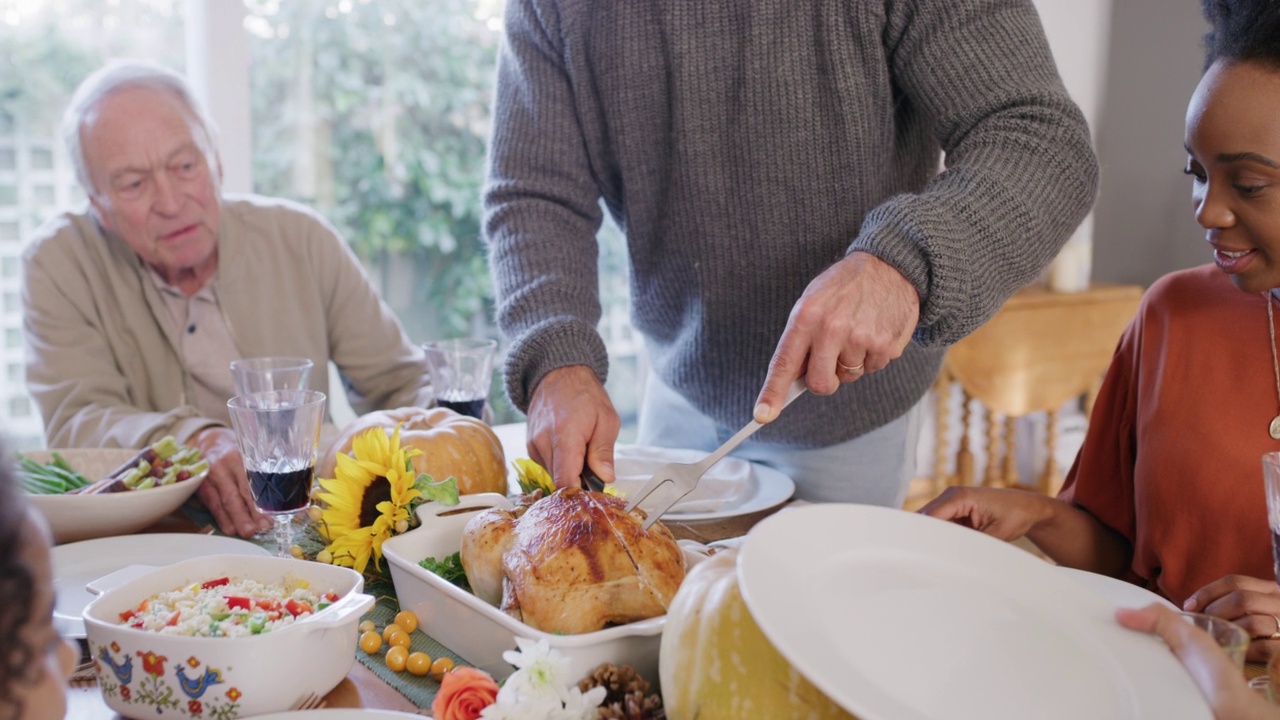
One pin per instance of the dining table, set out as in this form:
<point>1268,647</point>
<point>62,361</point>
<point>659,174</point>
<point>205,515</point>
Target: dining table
<point>361,688</point>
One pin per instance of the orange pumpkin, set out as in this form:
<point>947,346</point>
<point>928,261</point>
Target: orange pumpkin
<point>452,445</point>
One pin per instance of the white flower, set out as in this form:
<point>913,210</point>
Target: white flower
<point>542,672</point>
<point>512,707</point>
<point>583,706</point>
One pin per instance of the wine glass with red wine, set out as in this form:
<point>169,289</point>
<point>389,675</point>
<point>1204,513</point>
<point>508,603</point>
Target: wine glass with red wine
<point>461,371</point>
<point>279,436</point>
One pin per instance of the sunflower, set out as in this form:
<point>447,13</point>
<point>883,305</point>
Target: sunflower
<point>369,499</point>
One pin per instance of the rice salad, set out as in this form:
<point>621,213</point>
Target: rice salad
<point>228,607</point>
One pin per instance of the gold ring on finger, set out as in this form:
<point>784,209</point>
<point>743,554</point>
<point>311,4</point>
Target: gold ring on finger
<point>849,370</point>
<point>1275,635</point>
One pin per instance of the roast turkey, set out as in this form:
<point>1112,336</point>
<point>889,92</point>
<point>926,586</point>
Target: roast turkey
<point>572,562</point>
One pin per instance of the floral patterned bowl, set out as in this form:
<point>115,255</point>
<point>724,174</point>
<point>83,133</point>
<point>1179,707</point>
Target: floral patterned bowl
<point>152,675</point>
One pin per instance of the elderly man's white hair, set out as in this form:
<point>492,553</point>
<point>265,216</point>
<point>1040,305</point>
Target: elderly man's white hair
<point>119,75</point>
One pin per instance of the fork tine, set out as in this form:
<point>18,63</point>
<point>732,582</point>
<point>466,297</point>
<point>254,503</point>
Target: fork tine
<point>654,483</point>
<point>684,477</point>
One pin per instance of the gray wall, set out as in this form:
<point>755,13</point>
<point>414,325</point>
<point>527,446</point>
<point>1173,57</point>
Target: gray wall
<point>1144,223</point>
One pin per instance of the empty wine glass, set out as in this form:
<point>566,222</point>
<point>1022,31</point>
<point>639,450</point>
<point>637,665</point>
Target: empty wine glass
<point>279,435</point>
<point>263,374</point>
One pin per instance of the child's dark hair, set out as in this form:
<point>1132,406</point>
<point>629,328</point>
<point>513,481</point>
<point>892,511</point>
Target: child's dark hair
<point>1243,31</point>
<point>17,591</point>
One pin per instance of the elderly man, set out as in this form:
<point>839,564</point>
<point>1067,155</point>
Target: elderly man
<point>135,308</point>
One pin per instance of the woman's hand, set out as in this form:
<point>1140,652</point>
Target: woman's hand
<point>1217,677</point>
<point>1251,603</point>
<point>1002,513</point>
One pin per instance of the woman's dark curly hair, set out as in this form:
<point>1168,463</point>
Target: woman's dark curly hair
<point>1243,31</point>
<point>17,592</point>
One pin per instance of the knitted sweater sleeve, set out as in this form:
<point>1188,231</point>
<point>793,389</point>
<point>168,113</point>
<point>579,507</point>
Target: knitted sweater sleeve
<point>1020,170</point>
<point>541,210</point>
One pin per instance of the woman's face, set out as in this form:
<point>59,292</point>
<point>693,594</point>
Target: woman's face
<point>43,691</point>
<point>1233,149</point>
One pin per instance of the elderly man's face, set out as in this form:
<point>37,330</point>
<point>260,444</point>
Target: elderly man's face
<point>153,185</point>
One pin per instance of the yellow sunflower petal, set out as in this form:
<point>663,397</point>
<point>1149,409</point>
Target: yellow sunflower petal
<point>533,476</point>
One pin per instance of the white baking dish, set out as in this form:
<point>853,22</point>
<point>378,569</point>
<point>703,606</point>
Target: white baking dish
<point>480,632</point>
<point>149,675</point>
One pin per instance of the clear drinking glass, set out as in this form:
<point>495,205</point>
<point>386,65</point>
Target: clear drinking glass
<point>1271,480</point>
<point>279,435</point>
<point>461,371</point>
<point>264,374</point>
<point>1233,639</point>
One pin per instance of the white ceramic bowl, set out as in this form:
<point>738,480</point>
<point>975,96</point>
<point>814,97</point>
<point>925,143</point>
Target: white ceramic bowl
<point>480,632</point>
<point>83,517</point>
<point>146,674</point>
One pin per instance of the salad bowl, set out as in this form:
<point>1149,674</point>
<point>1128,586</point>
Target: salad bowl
<point>74,517</point>
<point>151,674</point>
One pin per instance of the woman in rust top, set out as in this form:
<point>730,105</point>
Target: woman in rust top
<point>1167,489</point>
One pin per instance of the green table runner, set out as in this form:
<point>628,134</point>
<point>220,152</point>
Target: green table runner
<point>418,690</point>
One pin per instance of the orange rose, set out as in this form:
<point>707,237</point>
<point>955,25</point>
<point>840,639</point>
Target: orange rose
<point>464,692</point>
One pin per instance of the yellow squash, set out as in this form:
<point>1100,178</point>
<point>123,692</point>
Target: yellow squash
<point>716,664</point>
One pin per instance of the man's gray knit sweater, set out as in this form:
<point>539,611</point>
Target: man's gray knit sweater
<point>744,146</point>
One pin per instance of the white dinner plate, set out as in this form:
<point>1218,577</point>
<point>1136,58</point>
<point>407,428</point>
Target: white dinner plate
<point>900,616</point>
<point>769,489</point>
<point>1120,593</point>
<point>77,564</point>
<point>341,714</point>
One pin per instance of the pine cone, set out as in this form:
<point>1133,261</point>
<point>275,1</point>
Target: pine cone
<point>628,695</point>
<point>633,706</point>
<point>617,680</point>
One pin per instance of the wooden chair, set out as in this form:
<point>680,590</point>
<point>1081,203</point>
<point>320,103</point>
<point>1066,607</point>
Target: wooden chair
<point>1040,350</point>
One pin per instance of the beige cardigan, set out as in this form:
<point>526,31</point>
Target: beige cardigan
<point>104,363</point>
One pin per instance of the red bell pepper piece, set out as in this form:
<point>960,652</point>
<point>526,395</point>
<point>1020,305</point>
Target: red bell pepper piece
<point>236,602</point>
<point>296,607</point>
<point>215,583</point>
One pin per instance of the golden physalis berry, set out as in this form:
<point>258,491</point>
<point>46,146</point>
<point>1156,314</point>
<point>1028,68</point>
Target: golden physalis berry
<point>440,667</point>
<point>389,629</point>
<point>367,625</point>
<point>419,664</point>
<point>407,621</point>
<point>370,642</point>
<point>396,659</point>
<point>399,639</point>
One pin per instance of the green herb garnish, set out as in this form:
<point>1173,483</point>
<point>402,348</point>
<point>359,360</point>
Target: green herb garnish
<point>450,569</point>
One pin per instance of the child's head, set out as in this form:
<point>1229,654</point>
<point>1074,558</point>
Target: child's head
<point>1233,141</point>
<point>37,662</point>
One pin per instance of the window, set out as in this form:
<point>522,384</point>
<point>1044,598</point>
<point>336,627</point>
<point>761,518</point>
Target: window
<point>41,158</point>
<point>8,231</point>
<point>20,406</point>
<point>12,305</point>
<point>8,194</point>
<point>42,194</point>
<point>12,338</point>
<point>8,159</point>
<point>389,144</point>
<point>14,373</point>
